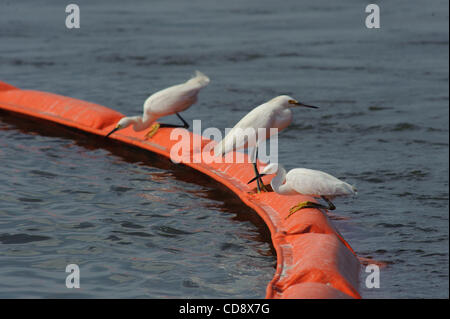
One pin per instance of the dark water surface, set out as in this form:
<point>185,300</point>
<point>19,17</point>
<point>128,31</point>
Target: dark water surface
<point>137,225</point>
<point>141,227</point>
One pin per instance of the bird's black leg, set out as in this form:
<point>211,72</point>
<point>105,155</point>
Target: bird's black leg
<point>258,185</point>
<point>185,124</point>
<point>330,204</point>
<point>261,183</point>
<point>255,168</point>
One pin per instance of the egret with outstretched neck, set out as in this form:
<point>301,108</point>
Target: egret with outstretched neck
<point>306,181</point>
<point>169,101</point>
<point>275,113</point>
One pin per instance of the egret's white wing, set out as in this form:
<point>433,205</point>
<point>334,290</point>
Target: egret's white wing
<point>171,100</point>
<point>176,98</point>
<point>311,182</point>
<point>245,133</point>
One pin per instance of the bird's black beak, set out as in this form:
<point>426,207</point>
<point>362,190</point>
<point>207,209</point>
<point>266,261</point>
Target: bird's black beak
<point>255,178</point>
<point>116,129</point>
<point>306,105</point>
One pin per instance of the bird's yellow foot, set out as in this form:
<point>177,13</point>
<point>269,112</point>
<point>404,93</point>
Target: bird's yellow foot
<point>300,206</point>
<point>153,129</point>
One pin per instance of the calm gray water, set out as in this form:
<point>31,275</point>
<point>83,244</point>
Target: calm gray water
<point>141,227</point>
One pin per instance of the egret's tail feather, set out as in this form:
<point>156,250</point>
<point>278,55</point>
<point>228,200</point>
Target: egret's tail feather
<point>200,78</point>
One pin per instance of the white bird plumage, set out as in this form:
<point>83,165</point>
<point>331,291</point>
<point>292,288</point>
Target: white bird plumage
<point>169,101</point>
<point>275,113</point>
<point>306,181</point>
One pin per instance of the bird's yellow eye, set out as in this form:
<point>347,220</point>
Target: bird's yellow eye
<point>292,102</point>
<point>118,126</point>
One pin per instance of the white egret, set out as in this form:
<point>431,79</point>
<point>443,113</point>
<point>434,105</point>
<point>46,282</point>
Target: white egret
<point>307,182</point>
<point>275,113</point>
<point>169,101</point>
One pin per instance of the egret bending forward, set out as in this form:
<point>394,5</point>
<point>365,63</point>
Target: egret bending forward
<point>275,113</point>
<point>169,101</point>
<point>306,182</point>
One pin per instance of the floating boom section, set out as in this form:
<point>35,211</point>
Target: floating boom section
<point>313,260</point>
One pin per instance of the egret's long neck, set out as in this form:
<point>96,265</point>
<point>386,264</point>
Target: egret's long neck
<point>141,123</point>
<point>278,180</point>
